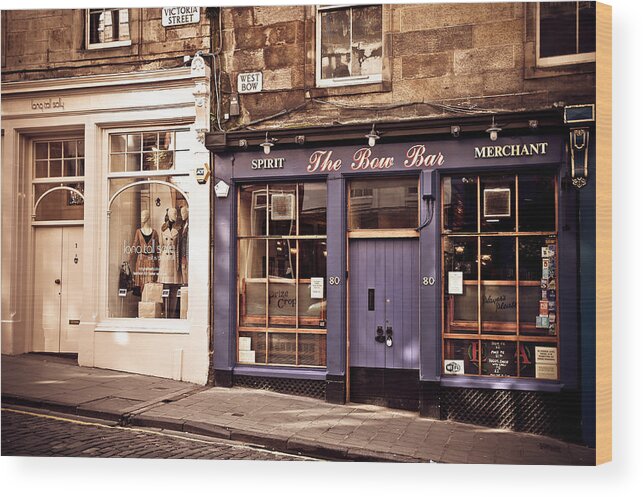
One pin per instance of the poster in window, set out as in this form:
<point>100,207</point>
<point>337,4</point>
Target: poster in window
<point>455,282</point>
<point>499,358</point>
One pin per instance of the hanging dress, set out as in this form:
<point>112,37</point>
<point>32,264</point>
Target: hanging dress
<point>169,272</point>
<point>145,258</point>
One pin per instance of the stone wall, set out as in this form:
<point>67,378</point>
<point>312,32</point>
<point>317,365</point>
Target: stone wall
<point>38,44</point>
<point>474,55</point>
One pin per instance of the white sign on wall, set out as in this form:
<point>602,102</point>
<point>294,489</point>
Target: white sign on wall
<point>316,288</point>
<point>250,82</point>
<point>177,16</point>
<point>455,283</point>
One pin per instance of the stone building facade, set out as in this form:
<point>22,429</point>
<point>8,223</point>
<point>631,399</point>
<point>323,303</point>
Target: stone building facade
<point>103,111</point>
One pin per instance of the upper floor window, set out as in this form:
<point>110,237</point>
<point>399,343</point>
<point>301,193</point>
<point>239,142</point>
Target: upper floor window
<point>566,33</point>
<point>147,151</point>
<point>349,45</point>
<point>107,28</point>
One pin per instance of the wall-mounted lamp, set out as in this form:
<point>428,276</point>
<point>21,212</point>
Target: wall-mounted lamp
<point>493,130</point>
<point>268,144</point>
<point>243,143</point>
<point>300,139</point>
<point>533,123</point>
<point>373,136</point>
<point>455,131</point>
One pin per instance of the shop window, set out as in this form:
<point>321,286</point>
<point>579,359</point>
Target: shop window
<point>148,247</point>
<point>282,274</point>
<point>58,174</point>
<point>349,45</point>
<point>107,28</point>
<point>500,261</point>
<point>147,151</point>
<point>566,33</point>
<point>383,204</point>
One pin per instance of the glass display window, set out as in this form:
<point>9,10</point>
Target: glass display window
<point>381,204</point>
<point>281,274</point>
<point>499,263</point>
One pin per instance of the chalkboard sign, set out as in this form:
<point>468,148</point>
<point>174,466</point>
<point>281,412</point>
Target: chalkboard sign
<point>499,358</point>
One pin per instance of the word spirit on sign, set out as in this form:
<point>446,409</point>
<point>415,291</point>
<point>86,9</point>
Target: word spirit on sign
<point>177,16</point>
<point>250,82</point>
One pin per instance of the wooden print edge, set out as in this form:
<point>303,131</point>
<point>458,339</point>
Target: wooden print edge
<point>603,233</point>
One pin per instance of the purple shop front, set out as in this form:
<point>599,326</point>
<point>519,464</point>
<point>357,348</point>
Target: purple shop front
<point>397,274</point>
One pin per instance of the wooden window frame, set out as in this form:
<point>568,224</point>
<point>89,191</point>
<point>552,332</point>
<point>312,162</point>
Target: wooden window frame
<point>561,60</point>
<point>110,44</point>
<point>481,331</point>
<point>266,324</point>
<point>351,80</point>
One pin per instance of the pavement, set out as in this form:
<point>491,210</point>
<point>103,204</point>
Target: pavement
<point>286,423</point>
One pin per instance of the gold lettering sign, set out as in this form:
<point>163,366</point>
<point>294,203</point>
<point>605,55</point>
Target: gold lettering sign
<point>515,150</point>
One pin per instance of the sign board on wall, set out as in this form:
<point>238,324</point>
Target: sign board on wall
<point>178,16</point>
<point>250,82</point>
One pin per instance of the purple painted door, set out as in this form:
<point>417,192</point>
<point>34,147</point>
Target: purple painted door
<point>384,302</point>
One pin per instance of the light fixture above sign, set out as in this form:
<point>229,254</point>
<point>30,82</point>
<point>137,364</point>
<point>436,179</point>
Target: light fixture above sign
<point>493,130</point>
<point>268,144</point>
<point>373,136</point>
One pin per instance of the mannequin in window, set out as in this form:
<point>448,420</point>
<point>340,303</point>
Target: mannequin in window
<point>145,250</point>
<point>169,256</point>
<point>184,245</point>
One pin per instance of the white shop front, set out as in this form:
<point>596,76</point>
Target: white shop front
<point>105,246</point>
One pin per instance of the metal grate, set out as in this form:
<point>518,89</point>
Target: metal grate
<point>531,412</point>
<point>306,388</point>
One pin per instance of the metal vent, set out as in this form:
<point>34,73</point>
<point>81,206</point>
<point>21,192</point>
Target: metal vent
<point>531,412</point>
<point>306,388</point>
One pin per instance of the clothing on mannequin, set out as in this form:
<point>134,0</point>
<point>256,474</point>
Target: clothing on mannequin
<point>184,245</point>
<point>144,253</point>
<point>169,264</point>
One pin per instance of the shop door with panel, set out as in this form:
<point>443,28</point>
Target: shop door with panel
<point>58,287</point>
<point>384,318</point>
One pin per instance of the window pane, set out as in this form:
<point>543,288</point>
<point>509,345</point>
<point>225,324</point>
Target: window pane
<point>498,258</point>
<point>312,264</point>
<point>498,272</point>
<point>537,203</point>
<point>252,348</point>
<point>586,27</point>
<point>55,168</point>
<point>366,41</point>
<point>499,358</point>
<point>150,141</point>
<point>42,151</point>
<point>117,143</point>
<point>463,356</point>
<point>282,291</point>
<point>117,163</point>
<point>150,161</point>
<point>461,300</point>
<point>538,360</point>
<point>252,282</point>
<point>59,205</point>
<point>134,142</point>
<point>81,167</point>
<point>133,162</point>
<point>165,160</point>
<point>335,43</point>
<point>383,204</point>
<point>55,150</point>
<point>282,209</point>
<point>460,204</point>
<point>282,348</point>
<point>253,207</point>
<point>80,148</point>
<point>497,203</point>
<point>557,28</point>
<point>42,169</point>
<point>70,167</point>
<point>69,149</point>
<point>312,209</point>
<point>312,350</point>
<point>147,271</point>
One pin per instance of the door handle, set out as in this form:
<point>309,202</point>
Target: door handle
<point>389,336</point>
<point>57,281</point>
<point>379,337</point>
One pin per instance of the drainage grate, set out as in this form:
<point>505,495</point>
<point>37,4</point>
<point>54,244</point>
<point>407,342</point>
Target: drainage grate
<point>531,412</point>
<point>306,388</point>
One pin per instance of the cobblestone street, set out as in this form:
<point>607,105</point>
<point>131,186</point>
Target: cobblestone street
<point>30,433</point>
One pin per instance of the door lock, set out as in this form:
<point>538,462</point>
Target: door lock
<point>379,338</point>
<point>57,281</point>
<point>389,336</point>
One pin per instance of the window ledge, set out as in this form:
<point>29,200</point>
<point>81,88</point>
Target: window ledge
<point>350,89</point>
<point>110,44</point>
<point>281,372</point>
<point>144,325</point>
<point>551,71</point>
<point>497,383</point>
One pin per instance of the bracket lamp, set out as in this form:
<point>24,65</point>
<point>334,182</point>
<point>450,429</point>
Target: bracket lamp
<point>268,144</point>
<point>493,130</point>
<point>455,131</point>
<point>373,136</point>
